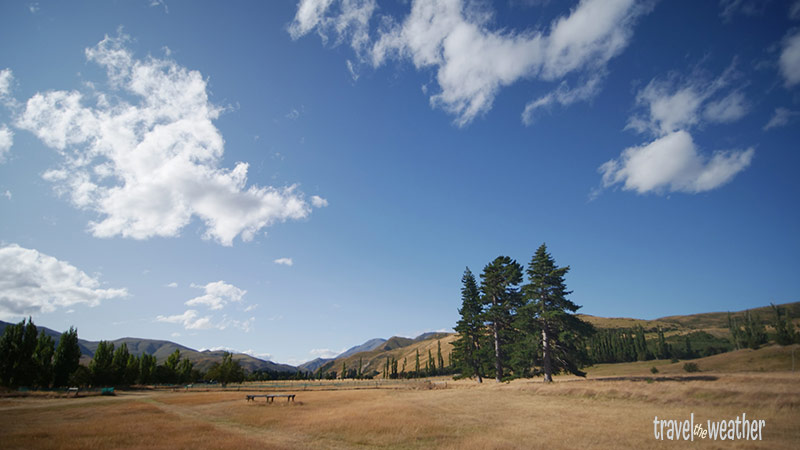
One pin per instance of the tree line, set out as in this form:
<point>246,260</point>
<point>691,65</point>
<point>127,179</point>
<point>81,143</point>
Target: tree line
<point>508,329</point>
<point>32,359</point>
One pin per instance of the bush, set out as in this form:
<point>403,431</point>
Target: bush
<point>653,370</point>
<point>691,367</point>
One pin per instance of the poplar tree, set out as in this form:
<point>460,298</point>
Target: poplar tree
<point>416,367</point>
<point>67,357</point>
<point>43,360</point>
<point>561,330</point>
<point>101,366</point>
<point>499,282</point>
<point>470,329</point>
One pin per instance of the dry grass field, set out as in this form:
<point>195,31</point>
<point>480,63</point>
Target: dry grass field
<point>598,412</point>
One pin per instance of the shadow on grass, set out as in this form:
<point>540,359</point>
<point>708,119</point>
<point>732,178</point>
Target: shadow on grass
<point>658,379</point>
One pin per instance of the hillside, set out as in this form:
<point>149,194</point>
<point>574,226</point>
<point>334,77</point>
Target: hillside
<point>400,348</point>
<point>162,349</point>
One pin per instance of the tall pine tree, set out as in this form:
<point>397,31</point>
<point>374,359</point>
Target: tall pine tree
<point>499,282</point>
<point>470,329</point>
<point>562,331</point>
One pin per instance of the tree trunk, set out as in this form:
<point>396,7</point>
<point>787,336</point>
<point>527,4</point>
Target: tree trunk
<point>498,367</point>
<point>476,365</point>
<point>546,363</point>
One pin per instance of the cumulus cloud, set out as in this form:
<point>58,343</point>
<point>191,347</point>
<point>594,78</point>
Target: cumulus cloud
<point>673,164</point>
<point>149,166</point>
<point>670,105</point>
<point>217,295</point>
<point>284,261</point>
<point>6,78</point>
<point>318,201</point>
<point>789,61</point>
<point>781,117</point>
<point>190,320</point>
<point>472,61</point>
<point>6,141</point>
<point>32,282</point>
<point>172,285</point>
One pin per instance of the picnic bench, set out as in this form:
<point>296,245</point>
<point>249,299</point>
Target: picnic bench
<point>270,397</point>
<point>72,390</point>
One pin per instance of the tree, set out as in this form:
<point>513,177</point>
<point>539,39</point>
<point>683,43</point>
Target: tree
<point>470,329</point>
<point>43,360</point>
<point>229,371</point>
<point>439,358</point>
<point>498,284</point>
<point>784,328</point>
<point>67,358</point>
<point>416,366</point>
<point>147,369</point>
<point>119,364</point>
<point>17,346</point>
<point>561,330</point>
<point>101,366</point>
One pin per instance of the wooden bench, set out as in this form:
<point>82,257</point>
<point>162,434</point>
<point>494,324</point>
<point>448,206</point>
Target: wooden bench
<point>270,397</point>
<point>72,390</point>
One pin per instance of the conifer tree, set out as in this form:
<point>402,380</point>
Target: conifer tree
<point>784,328</point>
<point>470,329</point>
<point>561,330</point>
<point>416,366</point>
<point>498,284</point>
<point>439,357</point>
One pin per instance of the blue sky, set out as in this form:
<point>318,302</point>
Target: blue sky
<point>291,179</point>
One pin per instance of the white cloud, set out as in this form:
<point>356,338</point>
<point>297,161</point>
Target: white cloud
<point>670,105</point>
<point>251,308</point>
<point>217,295</point>
<point>7,194</point>
<point>6,78</point>
<point>6,141</point>
<point>32,282</point>
<point>324,352</point>
<point>318,202</point>
<point>781,117</point>
<point>33,7</point>
<point>172,285</point>
<point>727,109</point>
<point>472,61</point>
<point>294,114</point>
<point>790,60</point>
<point>349,20</point>
<point>190,320</point>
<point>794,10</point>
<point>672,164</point>
<point>149,167</point>
<point>746,7</point>
<point>284,261</point>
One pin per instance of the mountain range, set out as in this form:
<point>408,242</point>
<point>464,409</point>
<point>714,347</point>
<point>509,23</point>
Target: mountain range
<point>372,354</point>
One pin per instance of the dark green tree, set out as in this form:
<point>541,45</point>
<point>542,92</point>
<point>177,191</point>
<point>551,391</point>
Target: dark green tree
<point>229,371</point>
<point>17,345</point>
<point>67,358</point>
<point>561,330</point>
<point>439,358</point>
<point>119,364</point>
<point>416,366</point>
<point>43,360</point>
<point>784,328</point>
<point>147,369</point>
<point>499,282</point>
<point>102,364</point>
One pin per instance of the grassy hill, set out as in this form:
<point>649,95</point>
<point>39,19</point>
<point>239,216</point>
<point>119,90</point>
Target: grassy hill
<point>769,358</point>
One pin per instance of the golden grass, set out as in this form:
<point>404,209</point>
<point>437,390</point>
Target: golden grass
<point>767,359</point>
<point>570,413</point>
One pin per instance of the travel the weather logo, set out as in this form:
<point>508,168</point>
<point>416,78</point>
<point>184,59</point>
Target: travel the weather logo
<point>738,428</point>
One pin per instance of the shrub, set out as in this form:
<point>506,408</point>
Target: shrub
<point>653,370</point>
<point>691,367</point>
